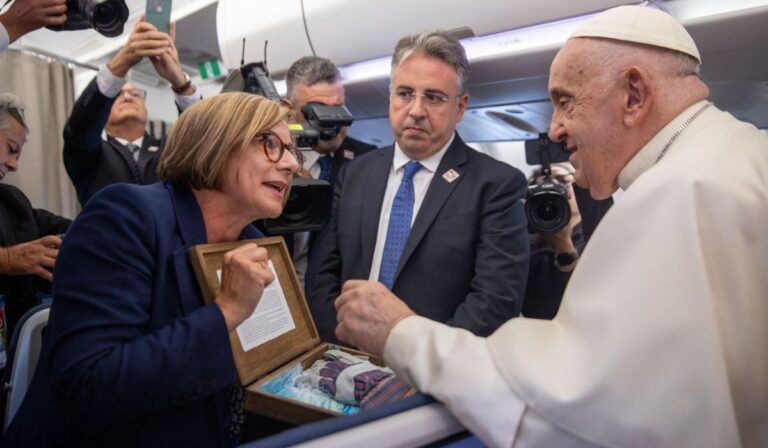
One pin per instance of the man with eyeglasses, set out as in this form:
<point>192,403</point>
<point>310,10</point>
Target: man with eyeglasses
<point>435,221</point>
<point>114,107</point>
<point>313,79</point>
<point>29,238</point>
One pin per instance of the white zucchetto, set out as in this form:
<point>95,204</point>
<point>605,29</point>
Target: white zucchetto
<point>642,25</point>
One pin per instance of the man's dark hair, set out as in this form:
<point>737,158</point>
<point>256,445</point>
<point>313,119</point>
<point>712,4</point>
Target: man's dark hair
<point>310,70</point>
<point>435,44</point>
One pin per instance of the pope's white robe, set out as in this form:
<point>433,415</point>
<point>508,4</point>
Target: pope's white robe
<point>662,335</point>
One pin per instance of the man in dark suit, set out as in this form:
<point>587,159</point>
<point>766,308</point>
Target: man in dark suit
<point>439,223</point>
<point>28,236</point>
<point>110,104</point>
<point>313,79</point>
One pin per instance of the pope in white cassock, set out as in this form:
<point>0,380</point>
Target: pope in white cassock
<point>662,336</point>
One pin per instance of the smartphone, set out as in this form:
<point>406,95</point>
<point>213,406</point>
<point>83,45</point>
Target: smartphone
<point>158,13</point>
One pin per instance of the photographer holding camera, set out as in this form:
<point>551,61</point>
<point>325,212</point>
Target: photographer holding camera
<point>24,16</point>
<point>561,218</point>
<point>317,80</point>
<point>111,104</point>
<point>553,255</point>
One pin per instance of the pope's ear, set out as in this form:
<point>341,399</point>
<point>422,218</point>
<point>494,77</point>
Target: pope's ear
<point>638,94</point>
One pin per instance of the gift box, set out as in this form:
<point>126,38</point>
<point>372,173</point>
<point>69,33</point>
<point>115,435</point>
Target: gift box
<point>279,335</point>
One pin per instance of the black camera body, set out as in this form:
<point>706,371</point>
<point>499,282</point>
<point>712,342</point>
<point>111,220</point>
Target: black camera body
<point>546,205</point>
<point>323,122</point>
<point>105,16</point>
<point>252,78</point>
<point>327,120</point>
<point>306,210</point>
<point>543,151</point>
<point>304,137</point>
<point>309,203</point>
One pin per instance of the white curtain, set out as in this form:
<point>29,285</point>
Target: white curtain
<point>47,90</point>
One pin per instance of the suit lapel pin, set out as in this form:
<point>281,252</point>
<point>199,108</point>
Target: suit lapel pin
<point>450,175</point>
<point>349,154</point>
<point>152,148</point>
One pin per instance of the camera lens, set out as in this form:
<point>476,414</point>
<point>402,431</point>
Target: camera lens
<point>106,16</point>
<point>547,207</point>
<point>307,209</point>
<point>104,13</point>
<point>298,207</point>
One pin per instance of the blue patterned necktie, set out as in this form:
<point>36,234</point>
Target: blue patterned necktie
<point>399,225</point>
<point>325,167</point>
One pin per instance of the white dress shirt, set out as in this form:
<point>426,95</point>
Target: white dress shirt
<point>312,164</point>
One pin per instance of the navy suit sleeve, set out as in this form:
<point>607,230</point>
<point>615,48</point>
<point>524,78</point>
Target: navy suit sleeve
<point>120,348</point>
<point>323,279</point>
<point>501,261</point>
<point>82,133</point>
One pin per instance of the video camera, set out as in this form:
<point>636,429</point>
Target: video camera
<point>326,120</point>
<point>309,204</point>
<point>105,16</point>
<point>322,122</point>
<point>546,204</point>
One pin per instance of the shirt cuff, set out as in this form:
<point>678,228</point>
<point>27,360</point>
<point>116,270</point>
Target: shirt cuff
<point>185,101</point>
<point>455,367</point>
<point>109,84</point>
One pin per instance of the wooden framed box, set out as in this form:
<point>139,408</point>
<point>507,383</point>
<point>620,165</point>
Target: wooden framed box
<point>276,337</point>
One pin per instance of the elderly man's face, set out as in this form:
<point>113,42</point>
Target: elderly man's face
<point>12,139</point>
<point>128,106</point>
<point>587,117</point>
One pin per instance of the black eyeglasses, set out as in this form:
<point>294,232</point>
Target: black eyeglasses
<point>274,148</point>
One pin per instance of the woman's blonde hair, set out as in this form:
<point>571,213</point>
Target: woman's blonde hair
<point>207,134</point>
